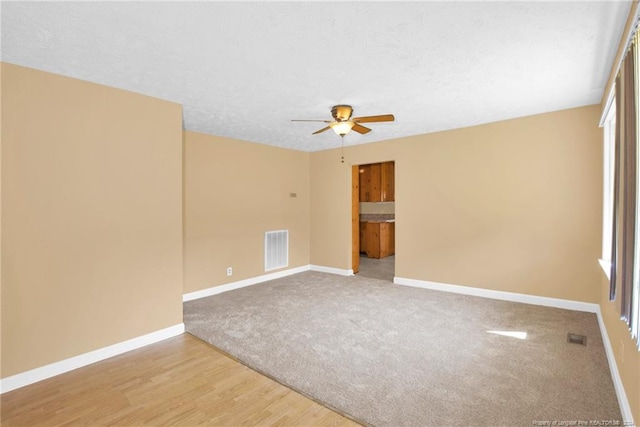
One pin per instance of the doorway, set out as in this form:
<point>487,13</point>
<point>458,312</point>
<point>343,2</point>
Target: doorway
<point>373,220</point>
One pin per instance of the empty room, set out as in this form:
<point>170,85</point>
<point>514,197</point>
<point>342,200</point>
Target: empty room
<point>319,213</point>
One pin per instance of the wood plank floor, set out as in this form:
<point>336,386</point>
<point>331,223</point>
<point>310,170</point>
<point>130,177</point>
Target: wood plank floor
<point>179,381</point>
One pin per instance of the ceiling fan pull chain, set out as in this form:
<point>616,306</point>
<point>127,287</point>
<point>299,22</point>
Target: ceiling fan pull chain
<point>342,148</point>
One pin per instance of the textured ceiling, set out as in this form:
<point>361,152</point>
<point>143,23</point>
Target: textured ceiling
<point>243,70</point>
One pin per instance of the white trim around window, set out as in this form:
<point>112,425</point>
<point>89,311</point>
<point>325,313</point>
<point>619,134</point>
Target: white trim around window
<point>608,168</point>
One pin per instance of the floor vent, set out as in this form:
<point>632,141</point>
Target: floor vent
<point>576,339</point>
<point>276,249</point>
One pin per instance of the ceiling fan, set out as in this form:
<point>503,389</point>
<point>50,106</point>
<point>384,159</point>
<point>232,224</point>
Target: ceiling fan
<point>342,122</point>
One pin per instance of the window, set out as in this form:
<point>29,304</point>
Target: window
<point>621,201</point>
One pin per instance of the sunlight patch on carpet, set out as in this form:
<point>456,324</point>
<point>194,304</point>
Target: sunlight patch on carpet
<point>519,335</point>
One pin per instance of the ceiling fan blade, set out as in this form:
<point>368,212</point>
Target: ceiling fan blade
<point>321,121</point>
<point>370,119</point>
<point>321,130</point>
<point>360,129</point>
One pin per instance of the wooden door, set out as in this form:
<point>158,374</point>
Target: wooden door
<point>355,218</point>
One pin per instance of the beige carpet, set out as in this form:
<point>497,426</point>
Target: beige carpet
<point>388,355</point>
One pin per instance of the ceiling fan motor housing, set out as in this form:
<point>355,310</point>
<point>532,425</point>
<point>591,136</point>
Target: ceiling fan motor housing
<point>341,112</point>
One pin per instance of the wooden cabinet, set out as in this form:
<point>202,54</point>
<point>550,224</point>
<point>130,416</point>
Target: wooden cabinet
<point>380,239</point>
<point>377,182</point>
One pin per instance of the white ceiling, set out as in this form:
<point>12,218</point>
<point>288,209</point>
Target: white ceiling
<point>243,70</point>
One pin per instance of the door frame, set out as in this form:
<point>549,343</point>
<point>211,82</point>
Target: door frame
<point>355,210</point>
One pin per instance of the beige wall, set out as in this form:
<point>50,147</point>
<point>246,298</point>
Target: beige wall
<point>331,209</point>
<point>91,217</point>
<point>234,192</point>
<point>512,206</point>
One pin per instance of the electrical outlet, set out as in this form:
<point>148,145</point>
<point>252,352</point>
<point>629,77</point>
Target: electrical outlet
<point>229,271</point>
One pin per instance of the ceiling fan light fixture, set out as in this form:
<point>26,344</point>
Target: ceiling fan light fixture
<point>341,128</point>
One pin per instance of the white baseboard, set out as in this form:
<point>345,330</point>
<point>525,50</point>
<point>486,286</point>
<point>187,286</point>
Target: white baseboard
<point>29,377</point>
<point>625,408</point>
<point>501,295</point>
<point>332,270</point>
<point>214,290</point>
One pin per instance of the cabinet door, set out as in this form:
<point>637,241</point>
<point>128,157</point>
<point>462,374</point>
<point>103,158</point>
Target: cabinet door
<point>388,182</point>
<point>365,183</point>
<point>376,181</point>
<point>384,240</point>
<point>392,238</point>
<point>363,237</point>
<point>373,240</point>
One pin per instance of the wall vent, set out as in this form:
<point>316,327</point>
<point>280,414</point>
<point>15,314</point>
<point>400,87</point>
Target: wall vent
<point>576,339</point>
<point>276,249</point>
